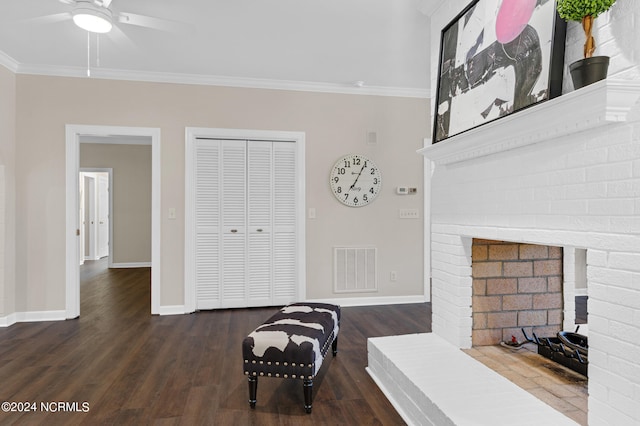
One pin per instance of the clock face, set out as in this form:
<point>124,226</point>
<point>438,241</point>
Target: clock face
<point>355,180</point>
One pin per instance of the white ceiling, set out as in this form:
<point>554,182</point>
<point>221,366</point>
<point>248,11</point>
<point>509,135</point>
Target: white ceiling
<point>300,44</point>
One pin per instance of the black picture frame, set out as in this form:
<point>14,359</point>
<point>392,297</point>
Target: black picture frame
<point>495,62</point>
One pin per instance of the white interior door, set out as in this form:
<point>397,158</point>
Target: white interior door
<point>103,214</point>
<point>234,211</point>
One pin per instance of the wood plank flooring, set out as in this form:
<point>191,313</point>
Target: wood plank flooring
<point>135,368</point>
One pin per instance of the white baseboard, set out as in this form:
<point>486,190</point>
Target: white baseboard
<point>373,301</point>
<point>131,265</point>
<point>172,310</point>
<point>34,316</point>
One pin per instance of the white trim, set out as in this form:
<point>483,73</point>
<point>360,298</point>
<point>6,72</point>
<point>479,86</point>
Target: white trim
<point>372,301</point>
<point>131,265</point>
<point>73,133</point>
<point>35,316</point>
<point>191,134</point>
<point>581,292</point>
<point>172,310</point>
<point>224,81</point>
<point>8,62</point>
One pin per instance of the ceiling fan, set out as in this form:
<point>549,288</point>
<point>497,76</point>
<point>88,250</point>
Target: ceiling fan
<point>97,16</point>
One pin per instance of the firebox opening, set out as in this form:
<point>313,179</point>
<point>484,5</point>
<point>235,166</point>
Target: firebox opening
<point>515,286</point>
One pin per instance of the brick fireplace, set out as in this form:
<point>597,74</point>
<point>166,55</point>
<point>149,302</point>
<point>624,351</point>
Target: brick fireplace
<point>564,174</point>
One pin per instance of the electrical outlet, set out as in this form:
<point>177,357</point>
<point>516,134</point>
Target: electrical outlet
<point>393,276</point>
<point>409,214</point>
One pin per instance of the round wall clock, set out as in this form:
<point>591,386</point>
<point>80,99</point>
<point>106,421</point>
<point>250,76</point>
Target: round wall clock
<point>355,180</point>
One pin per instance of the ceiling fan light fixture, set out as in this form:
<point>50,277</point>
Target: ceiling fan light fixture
<point>91,17</point>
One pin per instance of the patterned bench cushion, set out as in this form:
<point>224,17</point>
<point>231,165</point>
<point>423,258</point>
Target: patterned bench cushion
<point>293,342</point>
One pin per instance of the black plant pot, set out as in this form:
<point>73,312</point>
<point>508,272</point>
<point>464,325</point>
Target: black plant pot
<point>589,70</point>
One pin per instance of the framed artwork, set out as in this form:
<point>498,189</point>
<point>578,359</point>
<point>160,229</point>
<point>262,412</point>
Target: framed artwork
<point>496,58</point>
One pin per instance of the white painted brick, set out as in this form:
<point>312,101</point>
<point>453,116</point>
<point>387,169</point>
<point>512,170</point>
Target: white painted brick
<point>586,191</point>
<point>602,414</point>
<point>610,310</point>
<point>623,152</point>
<point>597,258</point>
<point>622,354</point>
<point>607,172</point>
<point>611,207</point>
<point>600,325</point>
<point>629,331</point>
<point>606,277</point>
<point>624,367</point>
<point>568,207</point>
<point>629,224</point>
<point>626,261</point>
<point>610,381</point>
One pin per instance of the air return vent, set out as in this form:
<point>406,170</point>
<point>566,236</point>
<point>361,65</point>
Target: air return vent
<point>354,269</point>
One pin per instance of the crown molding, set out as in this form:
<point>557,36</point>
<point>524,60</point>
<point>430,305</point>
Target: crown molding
<point>8,62</point>
<point>226,81</point>
<point>599,104</point>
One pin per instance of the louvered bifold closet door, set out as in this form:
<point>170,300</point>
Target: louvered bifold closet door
<point>284,219</point>
<point>234,217</point>
<point>245,208</point>
<point>207,223</point>
<point>260,226</point>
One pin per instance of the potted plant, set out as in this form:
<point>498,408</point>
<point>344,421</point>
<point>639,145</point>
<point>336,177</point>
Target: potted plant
<point>591,68</point>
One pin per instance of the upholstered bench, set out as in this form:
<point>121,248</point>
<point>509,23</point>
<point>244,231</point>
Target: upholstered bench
<point>291,344</point>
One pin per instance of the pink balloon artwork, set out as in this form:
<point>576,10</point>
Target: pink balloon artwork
<point>512,18</point>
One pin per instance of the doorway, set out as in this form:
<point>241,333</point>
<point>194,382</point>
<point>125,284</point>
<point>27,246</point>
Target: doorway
<point>107,134</point>
<point>95,214</point>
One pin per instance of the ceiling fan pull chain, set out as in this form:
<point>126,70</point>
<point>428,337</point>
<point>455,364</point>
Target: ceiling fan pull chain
<point>88,54</point>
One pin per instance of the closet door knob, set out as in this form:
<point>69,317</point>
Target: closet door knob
<point>234,230</point>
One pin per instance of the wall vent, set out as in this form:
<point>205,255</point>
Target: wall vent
<point>354,269</point>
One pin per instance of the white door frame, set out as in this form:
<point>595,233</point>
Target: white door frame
<point>109,171</point>
<point>73,132</point>
<point>193,133</point>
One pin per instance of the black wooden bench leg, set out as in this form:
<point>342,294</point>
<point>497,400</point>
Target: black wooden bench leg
<point>334,346</point>
<point>253,389</point>
<point>308,394</point>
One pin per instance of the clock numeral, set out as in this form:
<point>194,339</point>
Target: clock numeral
<point>342,170</point>
<point>372,191</point>
<point>347,163</point>
<point>373,171</point>
<point>336,179</point>
<point>356,161</point>
<point>355,200</point>
<point>346,196</point>
<point>375,181</point>
<point>364,197</point>
<point>339,190</point>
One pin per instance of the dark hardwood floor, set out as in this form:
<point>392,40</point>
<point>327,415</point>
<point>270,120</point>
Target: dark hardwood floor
<point>134,368</point>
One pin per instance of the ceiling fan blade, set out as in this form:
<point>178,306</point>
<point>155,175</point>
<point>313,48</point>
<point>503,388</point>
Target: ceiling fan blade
<point>48,19</point>
<point>121,39</point>
<point>67,1</point>
<point>105,3</point>
<point>155,23</point>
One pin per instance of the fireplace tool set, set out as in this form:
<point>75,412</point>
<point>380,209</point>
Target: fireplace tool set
<point>570,349</point>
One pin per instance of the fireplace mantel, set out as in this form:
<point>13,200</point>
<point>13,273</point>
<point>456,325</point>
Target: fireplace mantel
<point>600,104</point>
